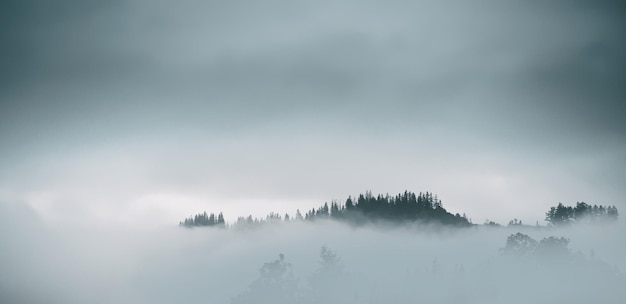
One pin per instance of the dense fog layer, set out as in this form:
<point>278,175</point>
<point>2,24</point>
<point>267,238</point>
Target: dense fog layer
<point>43,263</point>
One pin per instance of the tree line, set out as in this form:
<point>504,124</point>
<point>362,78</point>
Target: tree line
<point>581,213</point>
<point>203,219</point>
<point>366,208</point>
<point>404,207</point>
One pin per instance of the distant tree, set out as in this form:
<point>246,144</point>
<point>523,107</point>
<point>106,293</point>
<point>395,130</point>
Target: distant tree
<point>276,284</point>
<point>298,215</point>
<point>323,212</point>
<point>553,247</point>
<point>560,215</point>
<point>515,222</point>
<point>581,213</point>
<point>334,211</point>
<point>349,204</point>
<point>491,223</point>
<point>220,221</point>
<point>520,244</point>
<point>273,218</point>
<point>310,215</point>
<point>202,219</point>
<point>612,213</point>
<point>325,284</point>
<point>211,221</point>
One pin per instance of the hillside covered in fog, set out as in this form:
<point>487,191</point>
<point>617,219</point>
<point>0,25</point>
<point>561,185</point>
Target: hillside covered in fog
<point>311,261</point>
<point>403,208</point>
<point>408,207</point>
<point>190,151</point>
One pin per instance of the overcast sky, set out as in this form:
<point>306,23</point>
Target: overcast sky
<point>147,111</point>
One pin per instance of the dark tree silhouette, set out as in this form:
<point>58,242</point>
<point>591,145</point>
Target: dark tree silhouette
<point>404,207</point>
<point>203,219</point>
<point>582,213</point>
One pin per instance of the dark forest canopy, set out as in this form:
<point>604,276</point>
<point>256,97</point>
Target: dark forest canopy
<point>366,208</point>
<point>581,213</point>
<point>406,207</point>
<point>202,219</point>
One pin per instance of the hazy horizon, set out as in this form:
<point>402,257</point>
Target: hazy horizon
<point>122,112</point>
<point>78,263</point>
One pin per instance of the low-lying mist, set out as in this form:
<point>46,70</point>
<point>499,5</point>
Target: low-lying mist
<point>307,262</point>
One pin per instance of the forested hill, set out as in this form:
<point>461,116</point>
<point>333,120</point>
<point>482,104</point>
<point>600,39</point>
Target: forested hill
<point>366,208</point>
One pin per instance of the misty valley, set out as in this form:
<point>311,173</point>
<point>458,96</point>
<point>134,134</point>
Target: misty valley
<point>409,249</point>
<point>165,152</point>
<point>371,249</point>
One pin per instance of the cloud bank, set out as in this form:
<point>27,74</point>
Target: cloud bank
<point>77,264</point>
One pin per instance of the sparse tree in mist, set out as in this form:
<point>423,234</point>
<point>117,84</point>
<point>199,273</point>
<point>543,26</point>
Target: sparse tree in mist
<point>553,247</point>
<point>491,223</point>
<point>520,244</point>
<point>515,222</point>
<point>203,219</point>
<point>220,221</point>
<point>326,283</point>
<point>335,212</point>
<point>273,218</point>
<point>299,215</point>
<point>612,213</point>
<point>276,284</point>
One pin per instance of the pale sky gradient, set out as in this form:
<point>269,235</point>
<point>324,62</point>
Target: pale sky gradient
<point>117,112</point>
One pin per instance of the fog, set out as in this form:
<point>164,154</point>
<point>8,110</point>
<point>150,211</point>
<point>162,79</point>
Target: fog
<point>135,110</point>
<point>119,118</point>
<point>54,263</point>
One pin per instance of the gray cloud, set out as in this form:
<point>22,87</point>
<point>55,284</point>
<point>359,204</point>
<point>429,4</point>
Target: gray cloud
<point>206,95</point>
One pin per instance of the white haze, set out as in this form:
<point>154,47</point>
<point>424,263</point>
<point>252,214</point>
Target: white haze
<point>46,263</point>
